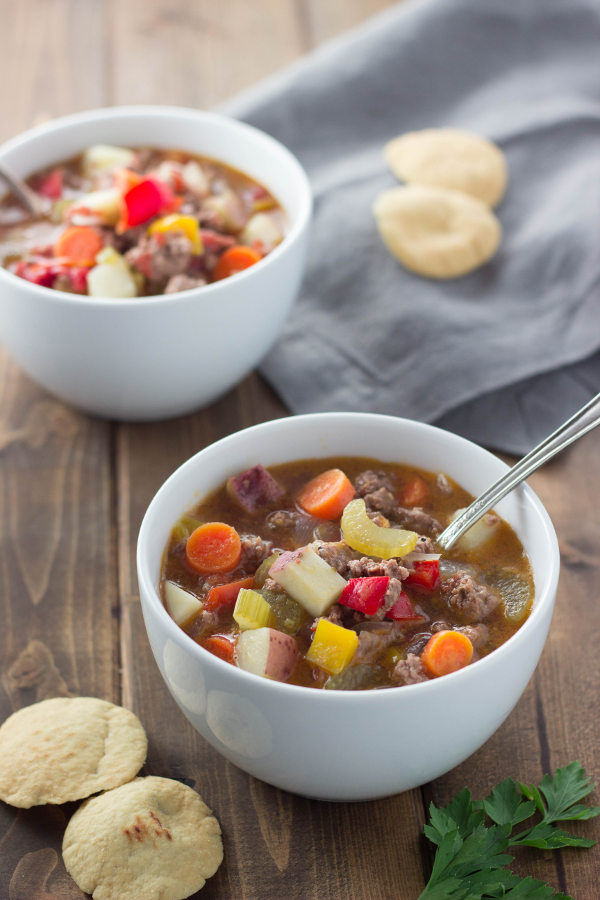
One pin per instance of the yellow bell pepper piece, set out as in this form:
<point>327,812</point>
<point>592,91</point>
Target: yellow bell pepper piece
<point>188,226</point>
<point>363,535</point>
<point>332,647</point>
<point>251,610</point>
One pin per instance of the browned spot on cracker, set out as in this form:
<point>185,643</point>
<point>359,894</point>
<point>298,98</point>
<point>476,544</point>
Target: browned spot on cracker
<point>141,830</point>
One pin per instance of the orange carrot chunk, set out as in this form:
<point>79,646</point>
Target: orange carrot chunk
<point>447,651</point>
<point>234,260</point>
<point>220,646</point>
<point>414,491</point>
<point>223,595</point>
<point>78,245</point>
<point>326,495</point>
<point>213,547</point>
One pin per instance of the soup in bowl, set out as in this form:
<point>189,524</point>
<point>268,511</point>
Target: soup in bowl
<point>170,257</point>
<point>416,656</point>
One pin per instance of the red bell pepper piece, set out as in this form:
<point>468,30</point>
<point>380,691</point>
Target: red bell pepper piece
<point>223,596</point>
<point>144,200</point>
<point>426,573</point>
<point>365,594</point>
<point>403,609</point>
<point>51,185</point>
<point>37,273</point>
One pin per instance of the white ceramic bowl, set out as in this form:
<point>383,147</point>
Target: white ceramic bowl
<point>343,745</point>
<point>154,357</point>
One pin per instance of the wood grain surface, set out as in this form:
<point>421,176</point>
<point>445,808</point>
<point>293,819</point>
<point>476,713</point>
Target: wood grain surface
<point>73,490</point>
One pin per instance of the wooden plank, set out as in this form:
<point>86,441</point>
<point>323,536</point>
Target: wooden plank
<point>200,53</point>
<point>51,61</point>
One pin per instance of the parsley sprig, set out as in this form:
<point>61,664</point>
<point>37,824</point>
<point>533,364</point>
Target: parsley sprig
<point>471,858</point>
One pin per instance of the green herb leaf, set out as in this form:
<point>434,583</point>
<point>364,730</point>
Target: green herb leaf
<point>471,858</point>
<point>505,804</point>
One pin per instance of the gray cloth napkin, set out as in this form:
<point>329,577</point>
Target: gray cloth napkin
<point>502,355</point>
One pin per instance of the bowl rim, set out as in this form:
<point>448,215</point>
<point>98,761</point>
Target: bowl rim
<point>109,113</point>
<point>173,632</point>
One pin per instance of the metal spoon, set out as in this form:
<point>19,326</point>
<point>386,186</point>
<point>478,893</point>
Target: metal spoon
<point>33,203</point>
<point>575,427</point>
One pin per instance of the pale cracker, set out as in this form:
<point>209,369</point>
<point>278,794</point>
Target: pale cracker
<point>151,839</point>
<point>67,748</point>
<point>450,158</point>
<point>436,232</point>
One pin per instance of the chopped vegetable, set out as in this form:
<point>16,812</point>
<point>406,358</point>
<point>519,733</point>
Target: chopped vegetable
<point>254,488</point>
<point>375,540</point>
<point>52,185</point>
<point>403,610</point>
<point>223,596</point>
<point>194,179</point>
<point>414,491</point>
<point>103,206</point>
<point>143,201</point>
<point>262,229</point>
<point>267,652</point>
<point>78,245</point>
<point>447,651</point>
<point>234,260</point>
<point>356,678</point>
<point>478,534</point>
<point>181,605</point>
<point>251,610</point>
<point>365,594</point>
<point>262,573</point>
<point>220,646</point>
<point>425,573</point>
<point>112,277</point>
<point>332,647</point>
<point>308,579</point>
<point>471,859</point>
<point>213,547</point>
<point>36,273</point>
<point>326,495</point>
<point>105,157</point>
<point>187,225</point>
<point>287,614</point>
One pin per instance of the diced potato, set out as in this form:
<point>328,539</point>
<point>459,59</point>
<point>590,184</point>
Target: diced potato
<point>267,652</point>
<point>105,157</point>
<point>363,535</point>
<point>181,605</point>
<point>332,647</point>
<point>262,228</point>
<point>228,207</point>
<point>478,534</point>
<point>195,179</point>
<point>308,579</point>
<point>105,204</point>
<point>251,610</point>
<point>112,277</point>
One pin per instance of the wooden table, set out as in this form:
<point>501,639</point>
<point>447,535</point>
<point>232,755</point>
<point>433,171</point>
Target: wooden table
<point>73,490</point>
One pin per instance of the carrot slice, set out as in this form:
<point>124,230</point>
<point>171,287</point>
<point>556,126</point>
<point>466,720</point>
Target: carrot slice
<point>234,260</point>
<point>326,495</point>
<point>446,652</point>
<point>223,595</point>
<point>219,646</point>
<point>414,491</point>
<point>78,245</point>
<point>213,547</point>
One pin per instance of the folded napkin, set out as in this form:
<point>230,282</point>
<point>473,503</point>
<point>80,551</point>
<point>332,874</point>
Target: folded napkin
<point>504,354</point>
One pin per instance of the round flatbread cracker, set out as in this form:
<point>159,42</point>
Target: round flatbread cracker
<point>450,158</point>
<point>153,838</point>
<point>67,748</point>
<point>436,232</point>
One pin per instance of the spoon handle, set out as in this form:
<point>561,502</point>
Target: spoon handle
<point>575,427</point>
<point>28,197</point>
